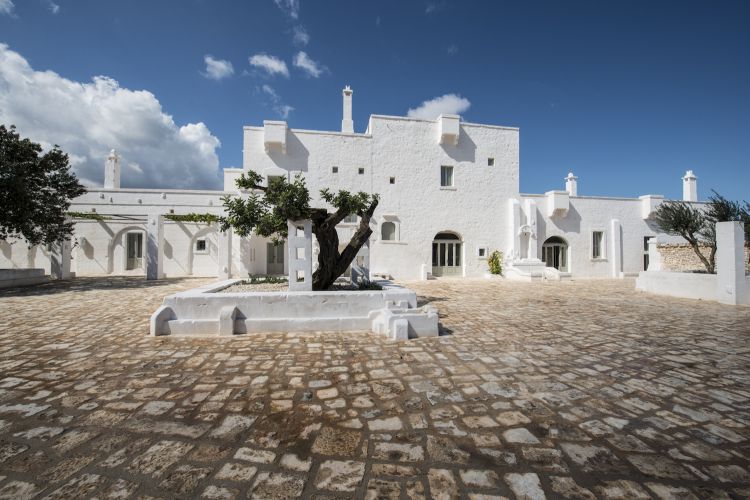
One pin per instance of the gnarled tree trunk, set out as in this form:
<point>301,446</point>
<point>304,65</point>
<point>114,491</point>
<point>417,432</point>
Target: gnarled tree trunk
<point>331,262</point>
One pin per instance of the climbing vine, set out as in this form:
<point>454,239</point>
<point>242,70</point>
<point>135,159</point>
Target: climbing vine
<point>193,217</point>
<point>86,215</point>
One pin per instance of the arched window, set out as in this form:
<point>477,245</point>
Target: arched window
<point>388,231</point>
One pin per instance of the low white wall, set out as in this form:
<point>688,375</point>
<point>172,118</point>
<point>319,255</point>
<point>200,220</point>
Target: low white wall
<point>22,277</point>
<point>207,311</point>
<point>675,284</point>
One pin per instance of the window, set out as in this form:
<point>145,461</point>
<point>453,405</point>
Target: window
<point>200,245</point>
<point>335,170</point>
<point>392,180</point>
<point>446,176</point>
<point>596,244</point>
<point>490,162</point>
<point>388,231</point>
<point>482,252</point>
<point>361,171</point>
<point>350,219</point>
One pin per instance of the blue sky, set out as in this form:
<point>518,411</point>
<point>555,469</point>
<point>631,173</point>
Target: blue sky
<point>628,95</point>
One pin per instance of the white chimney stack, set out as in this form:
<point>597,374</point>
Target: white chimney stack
<point>347,125</point>
<point>571,184</point>
<point>112,171</point>
<point>690,187</point>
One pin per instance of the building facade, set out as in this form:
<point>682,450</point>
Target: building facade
<point>449,197</point>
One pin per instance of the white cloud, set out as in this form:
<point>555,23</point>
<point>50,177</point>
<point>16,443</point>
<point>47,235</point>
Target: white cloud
<point>452,49</point>
<point>216,69</point>
<point>312,68</point>
<point>87,119</point>
<point>53,7</point>
<point>301,37</point>
<point>270,64</point>
<point>283,110</point>
<point>6,7</point>
<point>448,104</point>
<point>289,7</point>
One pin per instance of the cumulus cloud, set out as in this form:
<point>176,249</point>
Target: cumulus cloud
<point>283,110</point>
<point>300,36</point>
<point>310,67</point>
<point>289,7</point>
<point>87,119</point>
<point>448,104</point>
<point>216,69</point>
<point>6,7</point>
<point>270,64</point>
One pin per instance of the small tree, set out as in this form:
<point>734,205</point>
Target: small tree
<point>698,227</point>
<point>682,219</point>
<point>35,191</point>
<point>267,209</point>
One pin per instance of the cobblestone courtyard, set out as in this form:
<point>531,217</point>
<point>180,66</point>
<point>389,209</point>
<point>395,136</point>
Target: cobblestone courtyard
<point>583,389</point>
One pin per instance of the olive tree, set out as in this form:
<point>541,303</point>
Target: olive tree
<point>266,210</point>
<point>35,191</point>
<point>698,225</point>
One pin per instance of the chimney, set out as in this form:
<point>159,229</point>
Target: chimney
<point>112,171</point>
<point>347,125</point>
<point>689,187</point>
<point>571,184</point>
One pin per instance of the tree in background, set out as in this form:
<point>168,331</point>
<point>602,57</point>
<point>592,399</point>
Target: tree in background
<point>267,209</point>
<point>698,226</point>
<point>35,191</point>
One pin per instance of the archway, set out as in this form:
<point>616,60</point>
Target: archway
<point>555,253</point>
<point>447,254</point>
<point>117,251</point>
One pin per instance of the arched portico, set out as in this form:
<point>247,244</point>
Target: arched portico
<point>447,254</point>
<point>555,253</point>
<point>128,254</point>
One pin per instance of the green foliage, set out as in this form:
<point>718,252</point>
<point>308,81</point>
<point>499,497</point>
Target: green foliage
<point>368,285</point>
<point>266,215</point>
<point>193,217</point>
<point>35,190</point>
<point>86,215</point>
<point>495,262</point>
<point>271,280</point>
<point>348,203</point>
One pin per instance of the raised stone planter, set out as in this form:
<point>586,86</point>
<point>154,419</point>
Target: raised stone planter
<point>22,277</point>
<point>201,311</point>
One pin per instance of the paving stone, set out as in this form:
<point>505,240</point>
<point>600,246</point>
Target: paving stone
<point>339,475</point>
<point>534,378</point>
<point>526,486</point>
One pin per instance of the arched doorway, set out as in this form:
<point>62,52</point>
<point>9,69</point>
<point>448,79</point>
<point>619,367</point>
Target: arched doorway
<point>555,253</point>
<point>446,255</point>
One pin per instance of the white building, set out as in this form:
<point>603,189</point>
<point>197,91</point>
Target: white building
<point>449,196</point>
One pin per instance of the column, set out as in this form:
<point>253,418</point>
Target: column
<point>154,247</point>
<point>225,254</point>
<point>531,222</point>
<point>616,248</point>
<point>299,246</point>
<point>60,260</point>
<point>730,262</point>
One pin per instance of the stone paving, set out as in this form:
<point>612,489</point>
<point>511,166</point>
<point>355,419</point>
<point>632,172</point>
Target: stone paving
<point>584,389</point>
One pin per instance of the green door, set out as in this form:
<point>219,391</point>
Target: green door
<point>446,255</point>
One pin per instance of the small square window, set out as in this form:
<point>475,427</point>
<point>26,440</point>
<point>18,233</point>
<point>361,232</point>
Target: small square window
<point>335,170</point>
<point>392,180</point>
<point>481,252</point>
<point>446,176</point>
<point>200,245</point>
<point>361,171</point>
<point>490,162</point>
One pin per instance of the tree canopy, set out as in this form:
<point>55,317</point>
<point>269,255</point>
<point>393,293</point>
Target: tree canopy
<point>698,225</point>
<point>36,189</point>
<point>266,210</point>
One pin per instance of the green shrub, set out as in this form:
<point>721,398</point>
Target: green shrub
<point>257,280</point>
<point>495,262</point>
<point>369,285</point>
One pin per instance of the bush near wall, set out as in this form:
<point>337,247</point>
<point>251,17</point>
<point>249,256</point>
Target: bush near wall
<point>682,258</point>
